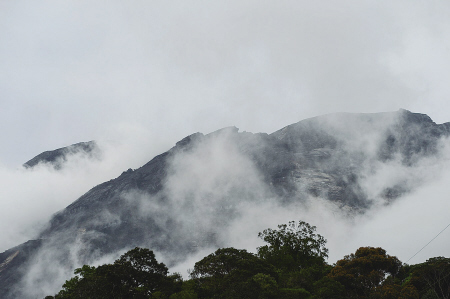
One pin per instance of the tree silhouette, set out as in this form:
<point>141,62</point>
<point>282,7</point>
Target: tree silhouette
<point>136,274</point>
<point>293,246</point>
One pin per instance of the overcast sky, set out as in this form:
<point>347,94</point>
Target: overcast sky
<point>74,71</point>
<point>140,75</point>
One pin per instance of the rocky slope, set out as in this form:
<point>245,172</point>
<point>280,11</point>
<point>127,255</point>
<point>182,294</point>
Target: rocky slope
<point>58,157</point>
<point>201,184</point>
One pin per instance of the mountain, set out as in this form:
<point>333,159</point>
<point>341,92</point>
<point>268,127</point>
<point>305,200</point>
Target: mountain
<point>188,198</point>
<point>58,157</point>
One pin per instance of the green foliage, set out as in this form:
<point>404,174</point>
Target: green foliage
<point>303,278</point>
<point>409,292</point>
<point>184,295</point>
<point>140,272</point>
<point>265,285</point>
<point>327,288</point>
<point>299,255</point>
<point>225,261</point>
<point>286,293</point>
<point>293,246</point>
<point>136,274</point>
<point>292,265</point>
<point>363,272</point>
<point>395,291</point>
<point>432,278</point>
<point>92,282</point>
<point>187,291</point>
<point>234,273</point>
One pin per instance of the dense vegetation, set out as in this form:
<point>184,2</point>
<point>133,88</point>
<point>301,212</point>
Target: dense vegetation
<point>291,265</point>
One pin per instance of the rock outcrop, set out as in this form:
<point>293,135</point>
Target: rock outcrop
<point>58,157</point>
<point>159,203</point>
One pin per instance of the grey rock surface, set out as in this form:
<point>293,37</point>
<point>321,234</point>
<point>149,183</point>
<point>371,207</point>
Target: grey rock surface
<point>58,157</point>
<point>324,157</point>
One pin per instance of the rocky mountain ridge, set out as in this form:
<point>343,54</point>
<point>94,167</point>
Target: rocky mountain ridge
<point>212,176</point>
<point>58,157</point>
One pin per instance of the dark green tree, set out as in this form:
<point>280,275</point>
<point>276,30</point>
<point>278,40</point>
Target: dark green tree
<point>293,246</point>
<point>432,278</point>
<point>327,288</point>
<point>136,274</point>
<point>234,273</point>
<point>188,291</point>
<point>139,271</point>
<point>364,272</point>
<point>298,253</point>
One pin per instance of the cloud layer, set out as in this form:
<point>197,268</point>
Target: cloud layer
<point>80,70</point>
<point>214,196</point>
<point>139,76</point>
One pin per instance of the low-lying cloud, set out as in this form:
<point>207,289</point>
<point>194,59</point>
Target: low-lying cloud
<point>72,70</point>
<point>215,196</point>
<point>31,196</point>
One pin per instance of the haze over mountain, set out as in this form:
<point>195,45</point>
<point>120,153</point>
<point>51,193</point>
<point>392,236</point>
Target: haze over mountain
<point>138,77</point>
<point>80,70</point>
<point>352,175</point>
<point>57,157</point>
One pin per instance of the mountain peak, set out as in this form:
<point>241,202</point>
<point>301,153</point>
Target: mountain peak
<point>58,157</point>
<point>412,117</point>
<point>182,200</point>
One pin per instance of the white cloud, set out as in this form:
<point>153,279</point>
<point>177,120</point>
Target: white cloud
<point>146,74</point>
<point>71,70</point>
<point>30,197</point>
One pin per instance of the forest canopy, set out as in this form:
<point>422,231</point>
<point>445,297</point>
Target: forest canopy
<point>291,265</point>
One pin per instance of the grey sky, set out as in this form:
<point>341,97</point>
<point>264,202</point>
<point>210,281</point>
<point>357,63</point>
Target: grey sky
<point>141,75</point>
<point>74,71</point>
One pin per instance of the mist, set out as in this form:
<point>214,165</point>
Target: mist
<point>401,226</point>
<point>139,76</point>
<point>77,70</point>
<point>215,196</point>
<point>30,196</point>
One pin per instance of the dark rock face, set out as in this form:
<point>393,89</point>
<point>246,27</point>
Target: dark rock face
<point>330,151</point>
<point>323,157</point>
<point>13,263</point>
<point>57,157</point>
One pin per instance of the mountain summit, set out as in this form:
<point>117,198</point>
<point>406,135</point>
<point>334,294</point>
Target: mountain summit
<point>188,198</point>
<point>58,157</point>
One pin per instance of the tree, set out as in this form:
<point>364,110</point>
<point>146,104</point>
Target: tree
<point>293,246</point>
<point>234,273</point>
<point>365,271</point>
<point>327,288</point>
<point>136,274</point>
<point>187,291</point>
<point>139,271</point>
<point>432,278</point>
